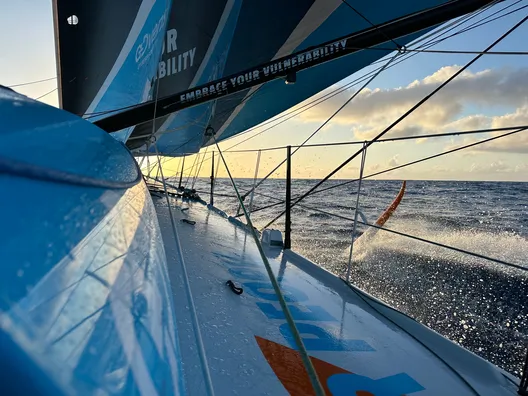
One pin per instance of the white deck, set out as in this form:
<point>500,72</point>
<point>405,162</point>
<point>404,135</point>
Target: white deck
<point>348,330</point>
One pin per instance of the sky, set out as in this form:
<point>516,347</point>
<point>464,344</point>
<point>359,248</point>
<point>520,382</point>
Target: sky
<point>492,93</point>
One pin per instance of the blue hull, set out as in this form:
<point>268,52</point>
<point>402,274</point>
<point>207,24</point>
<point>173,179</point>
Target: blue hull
<point>86,305</point>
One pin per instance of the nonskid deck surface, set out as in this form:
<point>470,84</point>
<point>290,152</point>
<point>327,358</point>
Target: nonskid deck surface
<point>355,342</point>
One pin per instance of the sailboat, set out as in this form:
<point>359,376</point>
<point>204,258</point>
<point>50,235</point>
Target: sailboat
<point>109,288</point>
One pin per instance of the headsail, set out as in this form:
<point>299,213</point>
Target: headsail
<point>234,35</point>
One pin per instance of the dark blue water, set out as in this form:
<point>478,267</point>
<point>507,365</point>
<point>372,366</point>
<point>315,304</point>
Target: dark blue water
<point>474,302</point>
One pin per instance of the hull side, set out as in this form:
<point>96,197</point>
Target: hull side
<point>85,302</point>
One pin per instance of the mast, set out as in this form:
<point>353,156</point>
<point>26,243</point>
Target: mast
<point>288,66</point>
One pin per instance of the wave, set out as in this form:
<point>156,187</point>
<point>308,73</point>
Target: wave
<point>504,245</point>
<point>320,215</point>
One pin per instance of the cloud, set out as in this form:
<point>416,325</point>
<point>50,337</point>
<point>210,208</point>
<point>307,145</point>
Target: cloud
<point>498,166</point>
<point>514,143</point>
<point>375,109</point>
<point>394,161</point>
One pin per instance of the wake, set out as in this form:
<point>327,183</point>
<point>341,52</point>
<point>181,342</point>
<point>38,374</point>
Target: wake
<point>503,245</point>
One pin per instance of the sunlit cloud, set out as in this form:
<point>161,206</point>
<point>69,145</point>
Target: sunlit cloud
<point>374,109</point>
<point>498,166</point>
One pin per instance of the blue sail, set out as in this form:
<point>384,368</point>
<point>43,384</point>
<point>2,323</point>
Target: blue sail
<point>250,33</point>
<point>200,46</point>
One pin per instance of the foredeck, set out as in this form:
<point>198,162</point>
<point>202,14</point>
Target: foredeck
<point>356,342</point>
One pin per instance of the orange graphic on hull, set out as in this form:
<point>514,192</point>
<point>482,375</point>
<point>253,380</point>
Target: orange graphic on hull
<point>289,369</point>
<point>287,365</point>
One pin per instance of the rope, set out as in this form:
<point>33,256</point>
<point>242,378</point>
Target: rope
<point>254,182</point>
<point>312,374</point>
<point>192,167</point>
<point>31,82</point>
<point>485,22</point>
<point>46,94</point>
<point>463,52</point>
<point>199,169</point>
<point>394,139</point>
<point>398,46</point>
<point>403,116</point>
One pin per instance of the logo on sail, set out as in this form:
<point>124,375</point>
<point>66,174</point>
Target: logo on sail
<point>145,47</point>
<point>177,63</point>
<point>263,73</point>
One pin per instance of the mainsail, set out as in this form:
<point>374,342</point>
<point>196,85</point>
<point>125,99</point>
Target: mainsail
<point>200,46</point>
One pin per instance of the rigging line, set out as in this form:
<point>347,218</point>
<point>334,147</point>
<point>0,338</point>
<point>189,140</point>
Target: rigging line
<point>201,136</point>
<point>312,374</point>
<point>31,82</point>
<point>447,27</point>
<point>403,116</point>
<point>356,211</point>
<point>462,20</point>
<point>398,46</point>
<point>46,94</point>
<point>199,169</point>
<point>427,158</point>
<point>196,158</point>
<point>469,253</point>
<point>461,52</point>
<point>394,139</point>
<point>354,95</point>
<point>477,24</point>
<point>408,164</point>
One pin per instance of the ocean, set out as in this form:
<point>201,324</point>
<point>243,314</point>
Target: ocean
<point>474,302</point>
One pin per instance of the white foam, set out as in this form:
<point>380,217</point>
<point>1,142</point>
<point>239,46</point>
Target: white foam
<point>505,246</point>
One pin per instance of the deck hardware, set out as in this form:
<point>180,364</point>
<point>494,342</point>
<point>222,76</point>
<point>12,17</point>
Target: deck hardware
<point>235,289</point>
